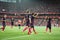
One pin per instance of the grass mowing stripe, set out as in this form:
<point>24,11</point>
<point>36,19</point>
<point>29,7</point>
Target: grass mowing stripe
<point>17,34</point>
<point>16,37</point>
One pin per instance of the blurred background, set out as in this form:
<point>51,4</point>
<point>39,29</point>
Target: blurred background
<point>17,10</point>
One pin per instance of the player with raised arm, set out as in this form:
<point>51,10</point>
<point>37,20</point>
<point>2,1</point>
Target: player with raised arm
<point>32,23</point>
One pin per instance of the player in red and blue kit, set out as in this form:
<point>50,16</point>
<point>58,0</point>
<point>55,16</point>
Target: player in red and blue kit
<point>12,22</point>
<point>27,21</point>
<point>32,23</point>
<point>3,23</point>
<point>48,24</point>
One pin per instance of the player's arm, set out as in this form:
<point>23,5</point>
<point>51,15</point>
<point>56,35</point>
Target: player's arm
<point>46,18</point>
<point>35,15</point>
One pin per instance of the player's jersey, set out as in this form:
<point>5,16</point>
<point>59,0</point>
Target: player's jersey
<point>12,21</point>
<point>3,22</point>
<point>49,22</point>
<point>27,18</point>
<point>32,18</point>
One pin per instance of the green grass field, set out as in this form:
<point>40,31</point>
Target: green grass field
<point>17,34</point>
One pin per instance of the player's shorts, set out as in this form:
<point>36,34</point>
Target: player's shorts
<point>19,25</point>
<point>28,24</point>
<point>49,26</point>
<point>4,25</point>
<point>12,23</point>
<point>32,25</point>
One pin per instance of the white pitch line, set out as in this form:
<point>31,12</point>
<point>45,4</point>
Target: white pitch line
<point>15,37</point>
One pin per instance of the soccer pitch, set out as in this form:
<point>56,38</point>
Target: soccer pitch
<point>17,34</point>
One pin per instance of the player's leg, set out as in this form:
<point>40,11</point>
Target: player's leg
<point>19,26</point>
<point>50,29</point>
<point>27,25</point>
<point>47,28</point>
<point>3,28</point>
<point>29,30</point>
<point>34,30</point>
<point>25,28</point>
<point>12,25</point>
